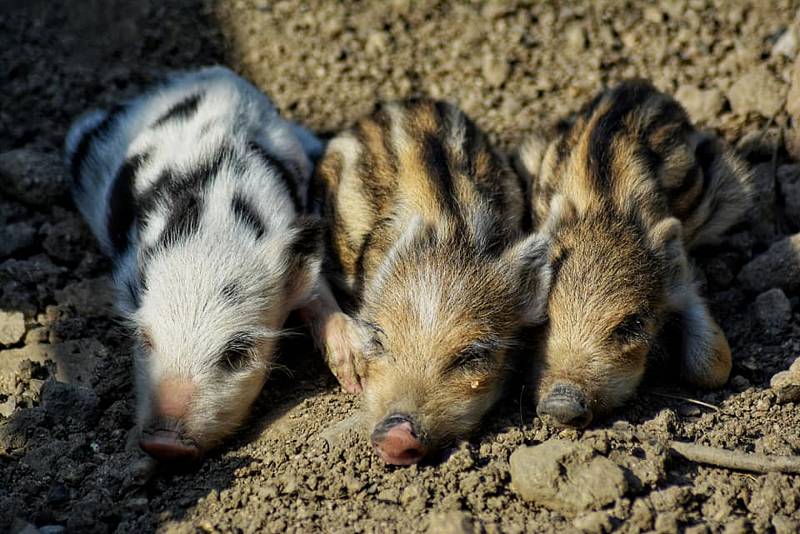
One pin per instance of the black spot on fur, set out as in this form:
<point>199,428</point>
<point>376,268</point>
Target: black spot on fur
<point>121,205</point>
<point>171,185</point>
<point>287,177</point>
<point>184,220</point>
<point>247,214</point>
<point>85,144</point>
<point>181,111</point>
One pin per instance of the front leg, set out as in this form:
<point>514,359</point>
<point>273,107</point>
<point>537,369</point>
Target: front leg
<point>337,335</point>
<point>706,358</point>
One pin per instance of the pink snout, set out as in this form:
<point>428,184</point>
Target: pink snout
<point>396,442</point>
<point>166,445</point>
<point>164,437</point>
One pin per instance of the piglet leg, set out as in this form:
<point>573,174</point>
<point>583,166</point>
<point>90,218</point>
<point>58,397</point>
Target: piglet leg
<point>337,335</point>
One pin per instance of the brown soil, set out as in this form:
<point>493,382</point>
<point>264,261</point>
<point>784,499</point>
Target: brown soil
<point>302,465</point>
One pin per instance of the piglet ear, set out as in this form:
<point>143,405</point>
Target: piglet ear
<point>666,240</point>
<point>530,267</point>
<point>305,251</point>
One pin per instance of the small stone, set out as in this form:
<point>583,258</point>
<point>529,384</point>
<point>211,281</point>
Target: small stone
<point>15,237</point>
<point>778,267</point>
<point>773,310</point>
<point>34,178</point>
<point>757,91</point>
<point>52,529</point>
<point>666,523</point>
<point>455,522</point>
<point>377,43</point>
<point>703,105</point>
<point>12,360</point>
<point>786,386</point>
<point>12,327</point>
<point>784,524</point>
<point>593,523</point>
<point>653,14</point>
<point>566,477</point>
<point>786,45</point>
<point>495,70</point>
<point>576,38</point>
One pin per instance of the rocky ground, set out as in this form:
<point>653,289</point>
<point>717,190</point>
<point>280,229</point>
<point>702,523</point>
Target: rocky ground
<point>303,465</point>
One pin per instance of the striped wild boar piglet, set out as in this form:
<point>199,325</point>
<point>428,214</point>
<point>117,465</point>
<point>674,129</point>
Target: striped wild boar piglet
<point>627,188</point>
<point>426,238</point>
<point>194,190</point>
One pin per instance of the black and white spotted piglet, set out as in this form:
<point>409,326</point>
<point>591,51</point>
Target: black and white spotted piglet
<point>195,190</point>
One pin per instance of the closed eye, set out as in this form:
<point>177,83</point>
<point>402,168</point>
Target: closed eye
<point>476,357</point>
<point>237,354</point>
<point>376,346</point>
<point>631,330</point>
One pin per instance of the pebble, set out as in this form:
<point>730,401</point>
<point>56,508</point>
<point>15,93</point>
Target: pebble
<point>757,91</point>
<point>786,384</point>
<point>495,70</point>
<point>773,310</point>
<point>455,522</point>
<point>12,327</point>
<point>565,476</point>
<point>576,39</point>
<point>778,267</point>
<point>594,523</point>
<point>15,237</point>
<point>34,178</point>
<point>784,524</point>
<point>703,105</point>
<point>786,45</point>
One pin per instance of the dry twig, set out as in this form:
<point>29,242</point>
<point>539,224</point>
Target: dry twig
<point>743,461</point>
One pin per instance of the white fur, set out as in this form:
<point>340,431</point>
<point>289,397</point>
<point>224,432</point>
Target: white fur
<point>183,308</point>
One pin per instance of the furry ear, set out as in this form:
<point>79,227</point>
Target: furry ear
<point>527,160</point>
<point>530,268</point>
<point>666,240</point>
<point>728,190</point>
<point>560,210</point>
<point>305,251</point>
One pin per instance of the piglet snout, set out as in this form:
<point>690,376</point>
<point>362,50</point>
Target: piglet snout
<point>165,445</point>
<point>163,438</point>
<point>565,405</point>
<point>396,441</point>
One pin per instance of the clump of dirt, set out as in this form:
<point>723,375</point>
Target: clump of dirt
<point>303,464</point>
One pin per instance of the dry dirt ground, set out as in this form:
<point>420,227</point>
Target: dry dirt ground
<point>302,465</point>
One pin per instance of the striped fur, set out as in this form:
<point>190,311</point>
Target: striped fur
<point>628,186</point>
<point>426,239</point>
<point>194,189</point>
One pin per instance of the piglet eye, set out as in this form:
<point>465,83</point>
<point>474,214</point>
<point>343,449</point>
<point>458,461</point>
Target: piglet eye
<point>631,329</point>
<point>476,357</point>
<point>375,345</point>
<point>237,353</point>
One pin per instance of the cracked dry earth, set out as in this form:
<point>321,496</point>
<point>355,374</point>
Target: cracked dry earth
<point>303,465</point>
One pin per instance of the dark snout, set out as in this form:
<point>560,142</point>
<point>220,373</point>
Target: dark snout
<point>565,405</point>
<point>396,440</point>
<point>163,440</point>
